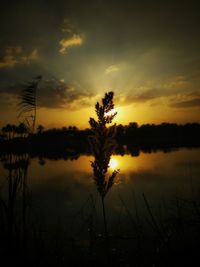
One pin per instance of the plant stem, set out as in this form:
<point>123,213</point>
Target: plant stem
<point>104,218</point>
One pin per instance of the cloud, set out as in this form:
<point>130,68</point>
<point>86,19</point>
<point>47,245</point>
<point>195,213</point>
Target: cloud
<point>173,89</point>
<point>185,100</point>
<point>66,43</point>
<point>128,98</point>
<point>187,103</point>
<point>52,93</point>
<point>34,55</point>
<point>147,95</point>
<point>8,100</point>
<point>112,68</point>
<point>68,26</point>
<point>15,56</point>
<point>56,94</point>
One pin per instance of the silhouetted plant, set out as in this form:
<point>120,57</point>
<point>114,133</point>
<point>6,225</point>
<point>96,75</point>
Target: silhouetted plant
<point>28,102</point>
<point>15,221</point>
<point>103,143</point>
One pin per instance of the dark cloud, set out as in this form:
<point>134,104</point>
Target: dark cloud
<point>154,40</point>
<point>186,103</point>
<point>187,100</point>
<point>111,26</point>
<point>56,94</point>
<point>51,94</point>
<point>15,56</point>
<point>147,95</point>
<point>126,99</point>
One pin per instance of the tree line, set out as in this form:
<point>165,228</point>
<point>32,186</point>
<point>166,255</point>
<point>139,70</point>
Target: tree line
<point>128,137</point>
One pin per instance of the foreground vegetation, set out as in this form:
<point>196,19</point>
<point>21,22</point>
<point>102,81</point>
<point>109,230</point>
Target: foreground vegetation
<point>147,236</point>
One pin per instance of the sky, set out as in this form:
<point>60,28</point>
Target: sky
<point>146,52</point>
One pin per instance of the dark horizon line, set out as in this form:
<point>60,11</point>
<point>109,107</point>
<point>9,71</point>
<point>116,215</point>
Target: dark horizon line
<point>117,124</point>
<point>59,141</point>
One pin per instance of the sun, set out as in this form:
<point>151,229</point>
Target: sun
<point>113,164</point>
<point>111,112</point>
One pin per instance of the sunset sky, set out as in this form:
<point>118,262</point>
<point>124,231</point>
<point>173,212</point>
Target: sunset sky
<point>147,52</point>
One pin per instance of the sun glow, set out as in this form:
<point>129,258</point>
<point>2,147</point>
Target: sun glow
<point>113,164</point>
<point>111,112</point>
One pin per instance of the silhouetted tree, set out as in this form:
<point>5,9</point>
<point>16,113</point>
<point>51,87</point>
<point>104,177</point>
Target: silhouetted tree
<point>9,130</point>
<point>22,129</point>
<point>40,129</point>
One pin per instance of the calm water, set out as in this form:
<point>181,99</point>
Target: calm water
<point>63,193</point>
<point>51,212</point>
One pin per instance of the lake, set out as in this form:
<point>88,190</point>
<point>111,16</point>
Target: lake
<point>59,200</point>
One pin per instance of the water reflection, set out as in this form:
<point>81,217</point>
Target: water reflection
<point>58,208</point>
<point>13,200</point>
